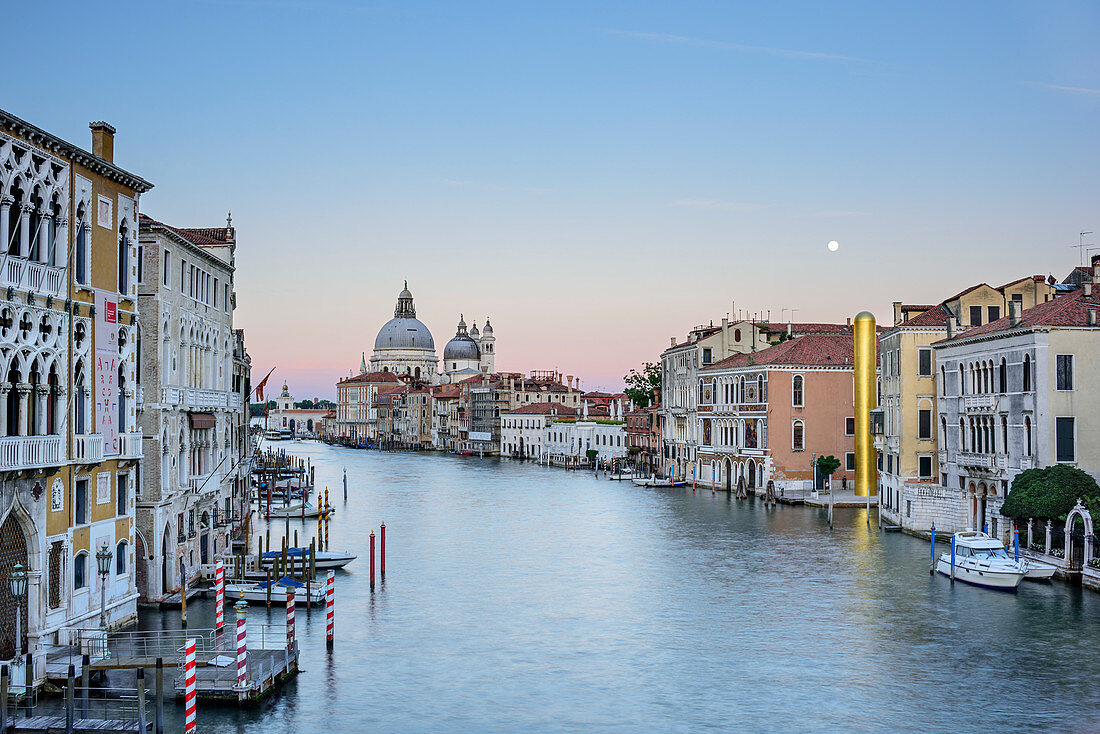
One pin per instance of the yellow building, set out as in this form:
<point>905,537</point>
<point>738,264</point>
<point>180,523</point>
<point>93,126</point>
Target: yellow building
<point>68,453</point>
<point>908,445</point>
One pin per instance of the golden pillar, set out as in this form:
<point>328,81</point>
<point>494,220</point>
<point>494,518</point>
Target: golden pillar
<point>866,348</point>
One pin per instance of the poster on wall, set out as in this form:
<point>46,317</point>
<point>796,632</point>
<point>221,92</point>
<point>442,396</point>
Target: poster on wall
<point>106,370</point>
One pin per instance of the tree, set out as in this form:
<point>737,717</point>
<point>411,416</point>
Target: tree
<point>640,385</point>
<point>1049,493</point>
<point>591,454</point>
<point>827,465</point>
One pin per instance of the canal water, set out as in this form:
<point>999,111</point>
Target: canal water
<point>525,598</point>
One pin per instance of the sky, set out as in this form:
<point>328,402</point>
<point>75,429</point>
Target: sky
<point>595,177</point>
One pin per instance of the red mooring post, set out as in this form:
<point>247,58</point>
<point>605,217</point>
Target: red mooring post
<point>241,608</point>
<point>330,607</point>
<point>290,617</point>
<point>382,551</point>
<point>372,560</point>
<point>219,595</point>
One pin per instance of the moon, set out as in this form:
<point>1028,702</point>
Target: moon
<point>833,245</point>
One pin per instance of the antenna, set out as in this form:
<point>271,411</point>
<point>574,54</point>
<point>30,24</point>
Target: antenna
<point>1081,245</point>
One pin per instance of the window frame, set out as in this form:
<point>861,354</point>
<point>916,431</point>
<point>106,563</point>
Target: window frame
<point>1059,420</point>
<point>850,420</point>
<point>798,394</point>
<point>971,311</point>
<point>82,558</point>
<point>796,424</point>
<point>166,268</point>
<point>931,466</point>
<point>923,352</point>
<point>1059,386</point>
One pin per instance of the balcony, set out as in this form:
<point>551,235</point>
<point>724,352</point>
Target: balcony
<point>88,448</point>
<point>979,403</point>
<point>975,461</point>
<point>208,482</point>
<point>170,395</point>
<point>30,452</point>
<point>207,398</point>
<point>234,401</point>
<point>129,445</point>
<point>33,276</point>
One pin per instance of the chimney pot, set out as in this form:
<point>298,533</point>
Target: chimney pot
<point>1013,313</point>
<point>103,140</point>
<point>849,321</point>
<point>1087,287</point>
<point>1092,317</point>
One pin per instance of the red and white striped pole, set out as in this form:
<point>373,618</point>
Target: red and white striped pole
<point>189,686</point>
<point>330,609</point>
<point>242,644</point>
<point>289,617</point>
<point>219,595</point>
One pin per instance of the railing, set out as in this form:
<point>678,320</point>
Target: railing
<point>88,447</point>
<point>170,395</point>
<point>234,401</point>
<point>129,445</point>
<point>21,273</point>
<point>27,452</point>
<point>978,461</point>
<point>205,482</point>
<point>979,402</point>
<point>210,399</point>
<point>1027,462</point>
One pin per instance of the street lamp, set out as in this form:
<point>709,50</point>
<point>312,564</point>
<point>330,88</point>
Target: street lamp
<point>103,564</point>
<point>17,579</point>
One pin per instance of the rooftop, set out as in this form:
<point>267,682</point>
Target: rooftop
<point>809,350</point>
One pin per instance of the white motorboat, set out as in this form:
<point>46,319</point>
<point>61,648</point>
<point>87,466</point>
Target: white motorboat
<point>322,559</point>
<point>658,482</point>
<point>258,592</point>
<point>621,476</point>
<point>1037,570</point>
<point>982,561</point>
<point>298,511</point>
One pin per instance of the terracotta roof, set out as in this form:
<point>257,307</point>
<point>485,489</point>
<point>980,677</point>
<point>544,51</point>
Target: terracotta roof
<point>1036,278</point>
<point>934,316</point>
<point>1070,310</point>
<point>809,350</point>
<point>196,236</point>
<point>372,377</point>
<point>971,289</point>
<point>445,393</point>
<point>803,327</point>
<point>541,409</point>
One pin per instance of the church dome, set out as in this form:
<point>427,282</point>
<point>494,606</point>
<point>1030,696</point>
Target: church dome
<point>404,330</point>
<point>461,347</point>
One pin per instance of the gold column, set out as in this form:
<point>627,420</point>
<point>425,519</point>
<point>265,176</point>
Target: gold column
<point>866,348</point>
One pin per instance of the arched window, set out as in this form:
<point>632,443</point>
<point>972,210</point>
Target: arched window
<point>80,563</point>
<point>1027,432</point>
<point>798,437</point>
<point>80,257</point>
<point>123,261</point>
<point>962,380</point>
<point>120,558</point>
<point>1004,433</point>
<point>962,435</point>
<point>1002,377</point>
<point>943,380</point>
<point>1027,376</point>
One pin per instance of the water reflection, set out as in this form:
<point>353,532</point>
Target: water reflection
<point>520,597</point>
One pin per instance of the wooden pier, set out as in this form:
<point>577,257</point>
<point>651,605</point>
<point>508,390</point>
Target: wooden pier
<point>53,724</point>
<point>268,670</point>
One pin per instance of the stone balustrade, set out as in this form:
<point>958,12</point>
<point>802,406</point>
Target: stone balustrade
<point>30,452</point>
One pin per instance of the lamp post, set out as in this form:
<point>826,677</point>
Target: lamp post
<point>103,565</point>
<point>17,579</point>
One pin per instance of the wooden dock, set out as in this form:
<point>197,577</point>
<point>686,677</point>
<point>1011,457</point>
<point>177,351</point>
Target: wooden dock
<point>267,671</point>
<point>52,724</point>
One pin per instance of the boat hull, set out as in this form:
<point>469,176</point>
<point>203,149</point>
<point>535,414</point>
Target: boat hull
<point>254,595</point>
<point>1000,580</point>
<point>1039,571</point>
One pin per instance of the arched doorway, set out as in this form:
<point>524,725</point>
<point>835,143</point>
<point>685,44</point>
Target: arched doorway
<point>728,469</point>
<point>165,567</point>
<point>13,550</point>
<point>204,539</point>
<point>751,470</point>
<point>292,425</point>
<point>309,425</point>
<point>1078,538</point>
<point>141,567</point>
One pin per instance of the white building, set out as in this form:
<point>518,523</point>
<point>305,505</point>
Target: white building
<point>404,345</point>
<point>524,430</point>
<point>196,403</point>
<point>295,421</point>
<point>567,441</point>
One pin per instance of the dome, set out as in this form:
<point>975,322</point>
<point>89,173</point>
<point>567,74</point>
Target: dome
<point>404,330</point>
<point>404,333</point>
<point>474,332</point>
<point>488,330</point>
<point>461,347</point>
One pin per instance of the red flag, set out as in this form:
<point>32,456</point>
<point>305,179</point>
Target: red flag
<point>260,387</point>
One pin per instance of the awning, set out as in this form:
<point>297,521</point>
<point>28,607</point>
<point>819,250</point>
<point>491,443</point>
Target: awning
<point>202,420</point>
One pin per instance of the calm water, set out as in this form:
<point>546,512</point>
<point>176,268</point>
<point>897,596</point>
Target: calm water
<point>522,598</point>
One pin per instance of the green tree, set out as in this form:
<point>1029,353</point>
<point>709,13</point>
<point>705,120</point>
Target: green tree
<point>640,385</point>
<point>1050,493</point>
<point>827,465</point>
<point>591,454</point>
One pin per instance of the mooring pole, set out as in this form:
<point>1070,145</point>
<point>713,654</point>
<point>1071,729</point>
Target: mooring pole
<point>932,568</point>
<point>85,664</point>
<point>4,697</point>
<point>189,724</point>
<point>141,698</point>
<point>345,484</point>
<point>952,559</point>
<point>330,607</point>
<point>268,588</point>
<point>382,551</point>
<point>372,560</point>
<point>158,720</point>
<point>29,670</point>
<point>69,702</point>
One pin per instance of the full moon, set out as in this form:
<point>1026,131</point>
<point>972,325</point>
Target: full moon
<point>833,245</point>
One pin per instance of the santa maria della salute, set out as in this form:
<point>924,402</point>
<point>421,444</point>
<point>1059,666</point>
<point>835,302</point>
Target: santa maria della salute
<point>405,347</point>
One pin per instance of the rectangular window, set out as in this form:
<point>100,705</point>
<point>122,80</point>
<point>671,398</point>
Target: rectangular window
<point>975,315</point>
<point>183,276</point>
<point>81,502</point>
<point>1064,364</point>
<point>122,494</point>
<point>706,355</point>
<point>1065,436</point>
<point>81,255</point>
<point>924,467</point>
<point>993,312</point>
<point>215,293</point>
<point>167,259</point>
<point>889,463</point>
<point>908,508</point>
<point>226,299</point>
<point>140,264</point>
<point>924,362</point>
<point>924,424</point>
<point>850,426</point>
<point>850,461</point>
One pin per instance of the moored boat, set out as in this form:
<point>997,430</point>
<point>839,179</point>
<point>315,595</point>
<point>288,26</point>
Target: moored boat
<point>258,592</point>
<point>1037,570</point>
<point>982,561</point>
<point>658,482</point>
<point>322,559</point>
<point>297,511</point>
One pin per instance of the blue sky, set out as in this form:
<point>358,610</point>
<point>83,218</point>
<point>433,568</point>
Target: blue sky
<point>595,177</point>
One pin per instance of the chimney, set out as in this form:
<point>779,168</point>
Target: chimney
<point>1092,317</point>
<point>1087,288</point>
<point>103,140</point>
<point>569,381</point>
<point>1013,313</point>
<point>672,341</point>
<point>789,328</point>
<point>849,321</point>
<point>950,328</point>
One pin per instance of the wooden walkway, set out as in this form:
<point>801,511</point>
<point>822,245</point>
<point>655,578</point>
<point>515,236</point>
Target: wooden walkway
<point>51,724</point>
<point>267,670</point>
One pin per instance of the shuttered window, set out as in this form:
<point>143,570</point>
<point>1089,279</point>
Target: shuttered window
<point>1064,436</point>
